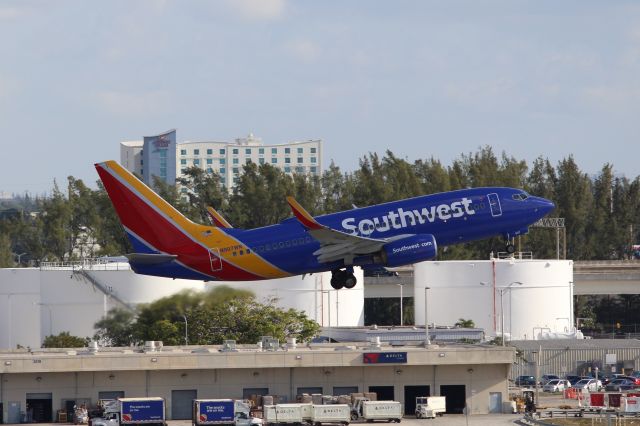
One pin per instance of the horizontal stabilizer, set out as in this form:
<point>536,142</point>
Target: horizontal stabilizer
<point>150,258</point>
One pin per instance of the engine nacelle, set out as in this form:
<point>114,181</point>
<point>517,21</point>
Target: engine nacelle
<point>416,248</point>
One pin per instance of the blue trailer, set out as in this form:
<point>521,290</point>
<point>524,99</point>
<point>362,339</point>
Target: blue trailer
<point>133,411</point>
<point>213,412</point>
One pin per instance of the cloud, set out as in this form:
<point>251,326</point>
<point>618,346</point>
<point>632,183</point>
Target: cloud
<point>9,13</point>
<point>304,50</point>
<point>613,97</point>
<point>258,10</point>
<point>137,104</point>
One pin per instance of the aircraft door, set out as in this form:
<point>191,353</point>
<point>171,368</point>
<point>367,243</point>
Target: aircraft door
<point>214,258</point>
<point>494,204</point>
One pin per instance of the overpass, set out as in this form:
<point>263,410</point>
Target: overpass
<point>590,278</point>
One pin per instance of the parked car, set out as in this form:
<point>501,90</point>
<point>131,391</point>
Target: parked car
<point>546,377</point>
<point>620,385</point>
<point>590,385</point>
<point>525,381</point>
<point>635,374</point>
<point>556,385</point>
<point>573,379</point>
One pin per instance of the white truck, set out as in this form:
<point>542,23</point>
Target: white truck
<point>222,412</point>
<point>282,414</point>
<point>132,412</point>
<point>388,411</point>
<point>428,407</point>
<point>330,413</point>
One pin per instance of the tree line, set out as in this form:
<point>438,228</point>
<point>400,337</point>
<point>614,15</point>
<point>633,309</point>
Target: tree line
<point>602,212</point>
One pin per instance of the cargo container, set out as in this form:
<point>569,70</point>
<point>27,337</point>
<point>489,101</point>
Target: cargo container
<point>332,413</point>
<point>133,411</point>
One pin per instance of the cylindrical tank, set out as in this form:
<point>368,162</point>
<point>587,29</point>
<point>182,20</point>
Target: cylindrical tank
<point>523,299</point>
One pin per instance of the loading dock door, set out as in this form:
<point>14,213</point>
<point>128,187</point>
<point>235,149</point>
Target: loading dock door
<point>384,393</point>
<point>410,395</point>
<point>39,408</point>
<point>456,397</point>
<point>182,403</point>
<point>110,394</point>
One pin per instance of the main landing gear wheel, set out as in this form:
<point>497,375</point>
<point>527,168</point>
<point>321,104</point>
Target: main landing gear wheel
<point>342,278</point>
<point>510,248</point>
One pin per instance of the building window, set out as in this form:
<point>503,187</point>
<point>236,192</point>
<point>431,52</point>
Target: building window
<point>196,161</point>
<point>287,150</point>
<point>209,170</point>
<point>287,169</point>
<point>248,160</point>
<point>236,161</point>
<point>142,162</point>
<point>196,152</point>
<point>274,160</point>
<point>223,161</point>
<point>313,150</point>
<point>247,151</point>
<point>300,150</point>
<point>236,170</point>
<point>223,171</point>
<point>235,151</point>
<point>222,179</point>
<point>261,151</point>
<point>222,151</point>
<point>313,159</point>
<point>261,160</point>
<point>183,171</point>
<point>163,153</point>
<point>142,171</point>
<point>183,161</point>
<point>183,152</point>
<point>313,169</point>
<point>300,160</point>
<point>274,150</point>
<point>299,169</point>
<point>287,160</point>
<point>209,152</point>
<point>209,160</point>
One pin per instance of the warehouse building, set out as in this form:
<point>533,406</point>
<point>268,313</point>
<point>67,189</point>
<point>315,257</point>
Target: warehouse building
<point>36,385</point>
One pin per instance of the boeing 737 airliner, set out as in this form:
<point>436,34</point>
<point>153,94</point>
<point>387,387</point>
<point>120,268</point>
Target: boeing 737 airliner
<point>167,244</point>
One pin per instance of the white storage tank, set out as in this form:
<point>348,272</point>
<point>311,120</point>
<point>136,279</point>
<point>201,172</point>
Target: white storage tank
<point>524,299</point>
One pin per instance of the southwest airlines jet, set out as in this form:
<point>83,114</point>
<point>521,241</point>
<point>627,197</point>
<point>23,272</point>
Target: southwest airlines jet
<point>167,244</point>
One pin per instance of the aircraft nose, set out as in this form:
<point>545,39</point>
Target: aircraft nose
<point>544,206</point>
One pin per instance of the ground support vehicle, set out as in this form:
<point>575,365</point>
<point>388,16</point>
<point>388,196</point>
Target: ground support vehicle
<point>133,412</point>
<point>428,407</point>
<point>368,410</point>
<point>330,413</point>
<point>222,412</point>
<point>282,414</point>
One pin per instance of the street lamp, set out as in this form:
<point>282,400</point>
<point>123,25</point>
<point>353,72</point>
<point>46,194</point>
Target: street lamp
<point>19,256</point>
<point>427,342</point>
<point>186,335</point>
<point>401,307</point>
<point>502,290</point>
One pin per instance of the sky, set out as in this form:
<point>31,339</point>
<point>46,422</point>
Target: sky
<point>538,78</point>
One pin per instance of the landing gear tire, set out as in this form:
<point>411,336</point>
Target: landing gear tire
<point>337,280</point>
<point>350,281</point>
<point>341,278</point>
<point>510,248</point>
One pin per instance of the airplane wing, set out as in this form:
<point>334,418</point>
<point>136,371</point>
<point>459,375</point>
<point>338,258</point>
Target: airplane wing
<point>334,244</point>
<point>217,218</point>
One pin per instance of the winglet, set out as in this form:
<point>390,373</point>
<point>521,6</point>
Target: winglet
<point>302,215</point>
<point>217,218</point>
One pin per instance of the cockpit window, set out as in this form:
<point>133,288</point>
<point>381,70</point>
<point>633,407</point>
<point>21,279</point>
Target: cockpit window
<point>520,196</point>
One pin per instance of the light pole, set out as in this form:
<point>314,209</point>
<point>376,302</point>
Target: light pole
<point>427,342</point>
<point>186,335</point>
<point>401,307</point>
<point>502,290</point>
<point>19,256</point>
